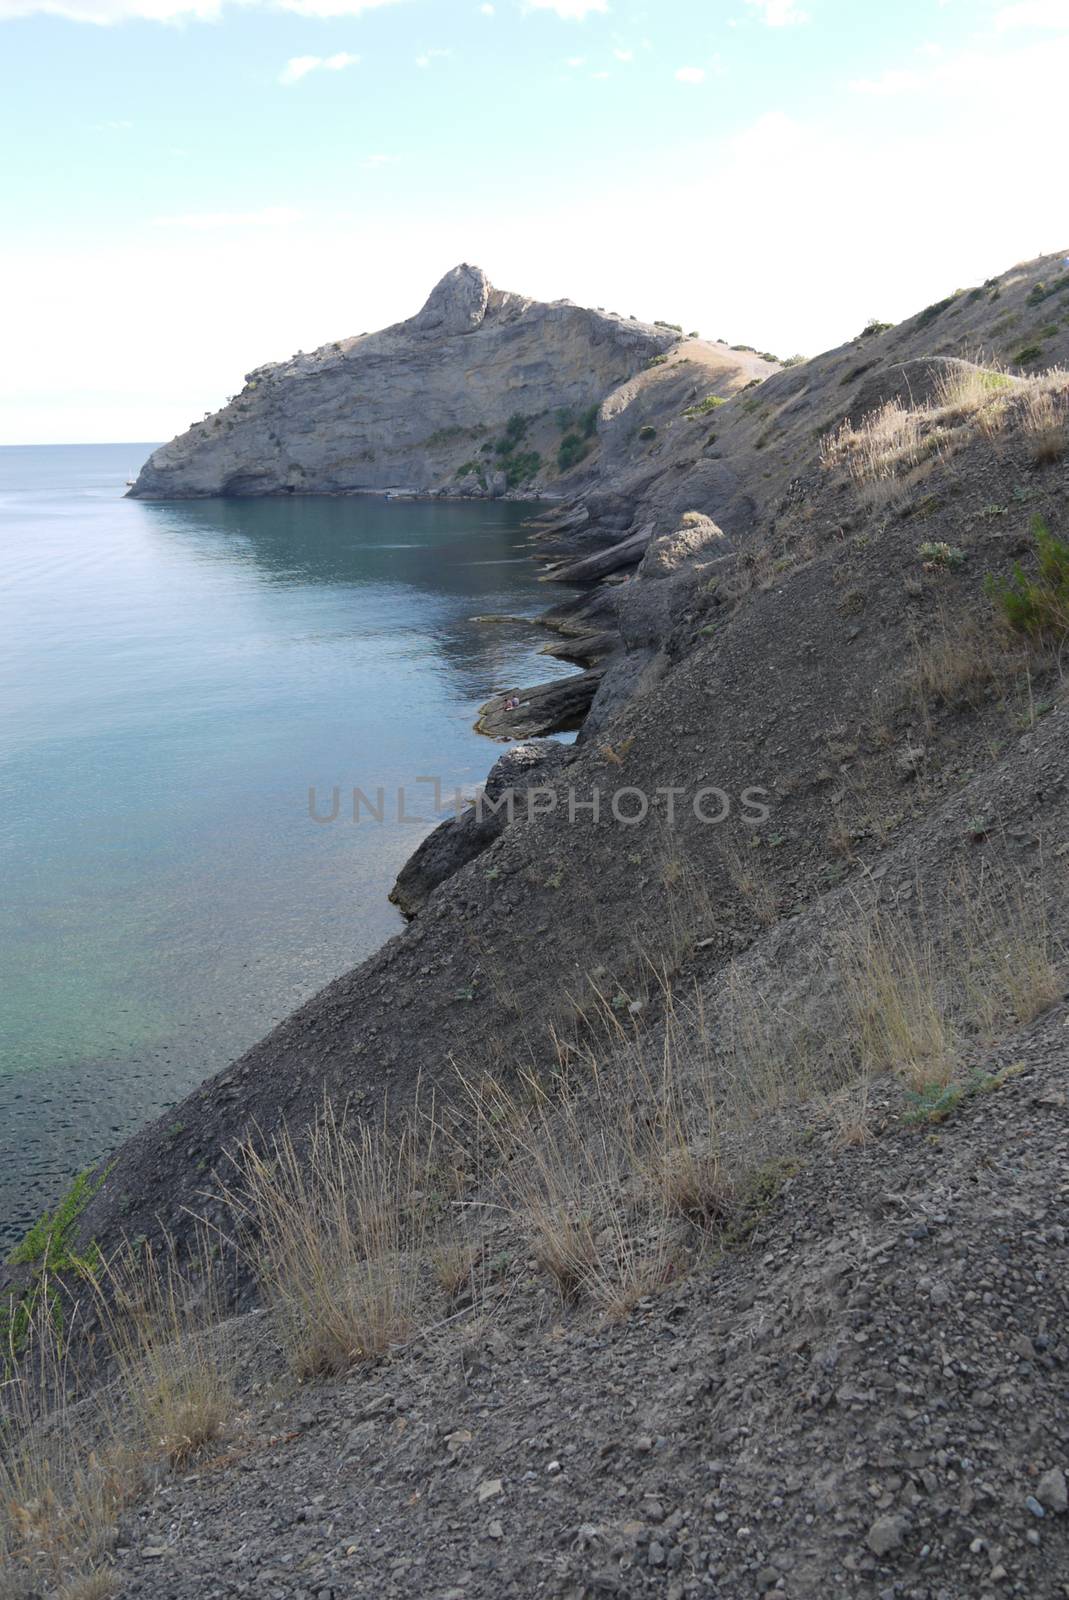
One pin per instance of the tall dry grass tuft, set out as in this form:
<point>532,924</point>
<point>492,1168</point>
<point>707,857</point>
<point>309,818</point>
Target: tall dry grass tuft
<point>572,1169</point>
<point>1010,959</point>
<point>963,661</point>
<point>881,451</point>
<point>171,1346</point>
<point>976,391</point>
<point>335,1231</point>
<point>65,1471</point>
<point>894,1001</point>
<point>1045,419</point>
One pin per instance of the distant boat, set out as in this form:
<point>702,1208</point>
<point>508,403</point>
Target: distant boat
<point>131,480</point>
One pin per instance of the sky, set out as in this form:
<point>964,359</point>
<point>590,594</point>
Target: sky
<point>189,188</point>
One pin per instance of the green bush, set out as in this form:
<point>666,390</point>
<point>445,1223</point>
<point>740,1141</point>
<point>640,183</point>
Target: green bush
<point>521,468</point>
<point>702,408</point>
<point>930,313</point>
<point>573,447</point>
<point>938,555</point>
<point>1036,605</point>
<point>647,432</point>
<point>1025,356</point>
<point>874,327</point>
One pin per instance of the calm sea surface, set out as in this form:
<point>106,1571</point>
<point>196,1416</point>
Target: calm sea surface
<point>173,680</point>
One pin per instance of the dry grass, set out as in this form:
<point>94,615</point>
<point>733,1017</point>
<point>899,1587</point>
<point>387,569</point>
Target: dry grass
<point>71,1462</point>
<point>749,880</point>
<point>852,1116</point>
<point>64,1472</point>
<point>885,453</point>
<point>335,1230</point>
<point>1045,419</point>
<point>571,1168</point>
<point>453,1263</point>
<point>978,390</point>
<point>963,661</point>
<point>881,452</point>
<point>893,1000</point>
<point>167,1337</point>
<point>99,1584</point>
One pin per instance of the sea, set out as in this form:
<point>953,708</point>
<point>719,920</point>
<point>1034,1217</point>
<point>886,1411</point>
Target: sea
<point>183,688</point>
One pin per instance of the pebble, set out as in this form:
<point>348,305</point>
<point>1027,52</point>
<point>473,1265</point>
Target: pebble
<point>1051,1491</point>
<point>886,1534</point>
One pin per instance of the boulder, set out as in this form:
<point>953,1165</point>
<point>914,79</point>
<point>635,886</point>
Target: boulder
<point>555,707</point>
<point>458,840</point>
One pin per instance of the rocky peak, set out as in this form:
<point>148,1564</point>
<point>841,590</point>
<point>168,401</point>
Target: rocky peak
<point>457,303</point>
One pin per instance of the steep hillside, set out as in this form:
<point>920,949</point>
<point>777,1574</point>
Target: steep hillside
<point>735,1262</point>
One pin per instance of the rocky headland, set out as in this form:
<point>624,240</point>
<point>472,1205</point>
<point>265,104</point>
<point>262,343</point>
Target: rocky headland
<point>475,395</point>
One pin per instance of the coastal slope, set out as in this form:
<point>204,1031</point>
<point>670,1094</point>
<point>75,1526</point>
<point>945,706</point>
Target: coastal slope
<point>740,1267</point>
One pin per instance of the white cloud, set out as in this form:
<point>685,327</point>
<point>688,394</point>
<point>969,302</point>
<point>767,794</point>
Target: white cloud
<point>780,13</point>
<point>269,217</point>
<point>105,13</point>
<point>690,74</point>
<point>374,163</point>
<point>624,55</point>
<point>430,56</point>
<point>570,10</point>
<point>487,10</point>
<point>298,67</point>
<point>1034,14</point>
<point>575,61</point>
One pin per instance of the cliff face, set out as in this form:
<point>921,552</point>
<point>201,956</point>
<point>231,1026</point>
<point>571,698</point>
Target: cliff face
<point>421,405</point>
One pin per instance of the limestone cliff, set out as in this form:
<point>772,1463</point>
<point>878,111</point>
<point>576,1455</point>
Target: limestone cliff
<point>473,395</point>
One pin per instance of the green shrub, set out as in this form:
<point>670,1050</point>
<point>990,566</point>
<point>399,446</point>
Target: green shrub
<point>656,361</point>
<point>573,447</point>
<point>929,314</point>
<point>937,555</point>
<point>1043,291</point>
<point>521,468</point>
<point>874,327</point>
<point>675,327</point>
<point>647,432</point>
<point>1030,353</point>
<point>702,408</point>
<point>1036,605</point>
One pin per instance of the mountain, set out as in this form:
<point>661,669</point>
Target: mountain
<point>473,395</point>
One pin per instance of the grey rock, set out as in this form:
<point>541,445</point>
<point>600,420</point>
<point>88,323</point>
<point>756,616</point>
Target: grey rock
<point>886,1534</point>
<point>1051,1491</point>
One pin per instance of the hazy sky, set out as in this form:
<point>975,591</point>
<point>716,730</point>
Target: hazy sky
<point>191,187</point>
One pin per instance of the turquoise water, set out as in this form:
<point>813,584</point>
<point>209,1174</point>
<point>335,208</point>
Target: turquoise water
<point>173,680</point>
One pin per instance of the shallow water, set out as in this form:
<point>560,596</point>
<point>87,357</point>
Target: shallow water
<point>173,681</point>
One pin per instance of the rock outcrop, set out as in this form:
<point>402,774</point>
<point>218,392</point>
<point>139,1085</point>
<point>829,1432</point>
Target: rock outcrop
<point>473,396</point>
